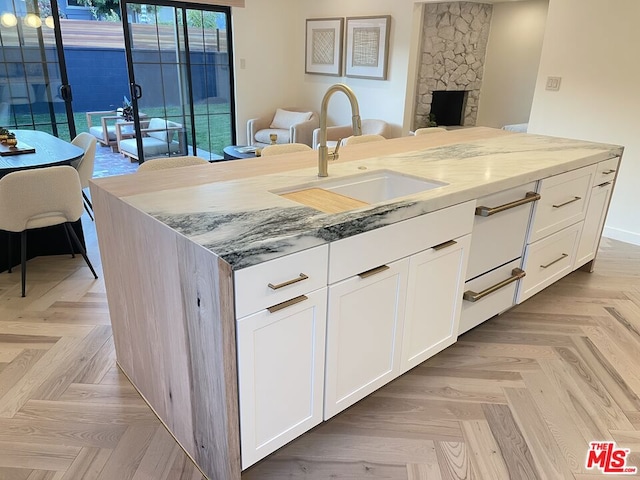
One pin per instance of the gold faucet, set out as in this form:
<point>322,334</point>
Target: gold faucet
<point>323,151</point>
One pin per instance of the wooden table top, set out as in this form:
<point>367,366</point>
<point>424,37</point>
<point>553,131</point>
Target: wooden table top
<point>50,151</point>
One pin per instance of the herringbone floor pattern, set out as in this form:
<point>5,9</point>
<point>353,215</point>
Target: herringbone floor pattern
<point>519,397</point>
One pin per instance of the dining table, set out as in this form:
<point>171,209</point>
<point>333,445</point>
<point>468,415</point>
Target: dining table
<point>47,151</point>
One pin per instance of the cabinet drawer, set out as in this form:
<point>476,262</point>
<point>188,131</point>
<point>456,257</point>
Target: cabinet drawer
<point>476,312</point>
<point>606,171</point>
<point>500,237</point>
<point>548,260</point>
<point>563,203</point>
<point>362,252</point>
<point>281,279</point>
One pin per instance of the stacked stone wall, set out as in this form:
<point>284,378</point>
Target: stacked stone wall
<point>454,44</point>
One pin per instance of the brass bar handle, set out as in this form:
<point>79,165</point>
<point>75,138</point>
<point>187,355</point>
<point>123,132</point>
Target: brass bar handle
<point>488,211</point>
<point>288,282</point>
<point>609,172</point>
<point>564,255</point>
<point>288,303</point>
<point>444,245</point>
<point>603,184</point>
<point>471,296</point>
<point>575,199</point>
<point>373,271</point>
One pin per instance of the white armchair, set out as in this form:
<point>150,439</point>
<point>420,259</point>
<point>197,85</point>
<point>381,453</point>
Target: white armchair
<point>159,138</point>
<point>290,124</point>
<point>370,126</point>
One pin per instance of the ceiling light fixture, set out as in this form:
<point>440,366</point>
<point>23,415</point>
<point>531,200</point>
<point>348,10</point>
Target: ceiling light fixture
<point>49,22</point>
<point>32,20</point>
<point>8,20</point>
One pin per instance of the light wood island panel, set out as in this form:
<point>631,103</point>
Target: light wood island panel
<point>171,307</point>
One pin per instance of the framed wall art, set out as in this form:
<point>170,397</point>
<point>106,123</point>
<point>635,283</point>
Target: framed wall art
<point>323,54</point>
<point>368,47</point>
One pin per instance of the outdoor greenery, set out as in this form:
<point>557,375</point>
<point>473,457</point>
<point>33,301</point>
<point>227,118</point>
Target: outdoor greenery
<point>212,122</point>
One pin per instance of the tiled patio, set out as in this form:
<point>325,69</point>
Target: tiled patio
<point>110,163</point>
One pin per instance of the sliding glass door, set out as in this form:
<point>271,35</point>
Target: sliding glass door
<point>34,91</point>
<point>179,64</point>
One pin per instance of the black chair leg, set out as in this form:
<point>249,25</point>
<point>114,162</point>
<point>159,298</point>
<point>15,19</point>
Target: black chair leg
<point>90,205</point>
<point>79,245</point>
<point>86,199</point>
<point>9,251</point>
<point>23,259</point>
<point>73,254</point>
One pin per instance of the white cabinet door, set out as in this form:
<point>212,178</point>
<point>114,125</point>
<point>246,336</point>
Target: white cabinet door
<point>280,374</point>
<point>364,327</point>
<point>593,223</point>
<point>434,299</point>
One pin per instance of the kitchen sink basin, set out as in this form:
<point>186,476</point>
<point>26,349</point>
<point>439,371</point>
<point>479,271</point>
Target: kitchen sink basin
<point>379,186</point>
<point>356,191</point>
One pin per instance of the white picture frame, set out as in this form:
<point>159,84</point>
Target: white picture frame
<point>324,46</point>
<point>367,51</point>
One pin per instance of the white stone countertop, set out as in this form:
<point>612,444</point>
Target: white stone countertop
<point>242,222</point>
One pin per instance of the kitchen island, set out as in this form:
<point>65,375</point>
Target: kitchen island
<point>181,248</point>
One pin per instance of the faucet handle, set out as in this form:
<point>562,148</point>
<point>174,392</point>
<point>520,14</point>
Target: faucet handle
<point>334,155</point>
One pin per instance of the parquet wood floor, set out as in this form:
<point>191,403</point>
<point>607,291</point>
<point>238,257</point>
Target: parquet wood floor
<point>519,397</point>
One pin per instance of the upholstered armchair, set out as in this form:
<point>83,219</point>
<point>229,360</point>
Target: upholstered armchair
<point>290,124</point>
<point>159,138</point>
<point>370,126</point>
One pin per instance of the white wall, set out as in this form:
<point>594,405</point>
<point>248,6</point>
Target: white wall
<point>592,45</point>
<point>268,55</point>
<point>383,99</point>
<point>511,63</point>
<point>269,37</point>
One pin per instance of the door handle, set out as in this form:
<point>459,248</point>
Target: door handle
<point>65,93</point>
<point>136,91</point>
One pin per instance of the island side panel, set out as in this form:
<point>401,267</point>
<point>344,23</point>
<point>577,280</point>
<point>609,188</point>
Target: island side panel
<point>179,355</point>
<point>212,355</point>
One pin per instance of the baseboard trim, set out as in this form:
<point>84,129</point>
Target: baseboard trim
<point>622,235</point>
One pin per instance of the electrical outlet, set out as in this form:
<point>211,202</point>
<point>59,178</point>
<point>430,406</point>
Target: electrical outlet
<point>243,64</point>
<point>553,83</point>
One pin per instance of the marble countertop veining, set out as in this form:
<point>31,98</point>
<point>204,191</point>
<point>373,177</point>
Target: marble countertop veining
<point>244,223</point>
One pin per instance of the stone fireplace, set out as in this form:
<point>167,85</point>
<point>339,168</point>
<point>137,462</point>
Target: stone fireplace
<point>454,42</point>
<point>448,106</point>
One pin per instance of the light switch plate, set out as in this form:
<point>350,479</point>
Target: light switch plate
<point>553,83</point>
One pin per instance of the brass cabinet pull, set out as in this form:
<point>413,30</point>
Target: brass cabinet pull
<point>288,282</point>
<point>575,199</point>
<point>609,172</point>
<point>564,255</point>
<point>444,245</point>
<point>488,211</point>
<point>471,296</point>
<point>288,303</point>
<point>373,271</point>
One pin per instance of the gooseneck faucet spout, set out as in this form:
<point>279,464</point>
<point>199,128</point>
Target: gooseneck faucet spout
<point>323,151</point>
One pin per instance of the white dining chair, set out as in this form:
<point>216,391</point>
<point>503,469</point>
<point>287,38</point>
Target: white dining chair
<point>284,148</point>
<point>355,139</point>
<point>41,197</point>
<point>171,162</point>
<point>86,142</point>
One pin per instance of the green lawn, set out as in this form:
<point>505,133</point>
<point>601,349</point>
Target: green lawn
<point>213,124</point>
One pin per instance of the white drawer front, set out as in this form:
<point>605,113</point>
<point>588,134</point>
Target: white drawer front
<point>267,284</point>
<point>606,171</point>
<point>476,312</point>
<point>548,260</point>
<point>499,237</point>
<point>357,254</point>
<point>563,203</point>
